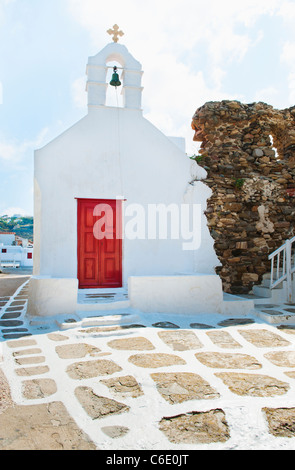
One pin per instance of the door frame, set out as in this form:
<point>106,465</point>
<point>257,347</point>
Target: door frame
<point>79,241</point>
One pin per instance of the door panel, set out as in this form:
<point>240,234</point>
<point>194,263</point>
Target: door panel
<point>99,243</point>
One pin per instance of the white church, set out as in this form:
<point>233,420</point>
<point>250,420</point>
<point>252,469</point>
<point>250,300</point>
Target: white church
<point>112,200</point>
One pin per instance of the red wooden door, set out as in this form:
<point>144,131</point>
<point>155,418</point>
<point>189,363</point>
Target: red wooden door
<point>99,243</point>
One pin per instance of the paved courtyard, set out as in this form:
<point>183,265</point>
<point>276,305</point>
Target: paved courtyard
<point>158,383</point>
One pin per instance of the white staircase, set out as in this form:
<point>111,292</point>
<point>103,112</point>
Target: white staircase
<point>101,308</point>
<point>274,299</point>
<point>95,300</point>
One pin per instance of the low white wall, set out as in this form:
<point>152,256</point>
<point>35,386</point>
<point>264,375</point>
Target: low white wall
<point>52,296</point>
<point>17,255</point>
<point>183,294</point>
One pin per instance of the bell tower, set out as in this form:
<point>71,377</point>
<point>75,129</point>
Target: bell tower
<point>130,70</point>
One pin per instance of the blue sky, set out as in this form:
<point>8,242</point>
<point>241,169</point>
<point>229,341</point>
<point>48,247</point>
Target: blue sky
<point>191,52</point>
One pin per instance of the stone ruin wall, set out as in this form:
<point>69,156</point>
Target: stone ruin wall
<point>252,208</point>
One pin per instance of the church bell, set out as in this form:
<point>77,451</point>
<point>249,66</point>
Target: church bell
<point>115,78</point>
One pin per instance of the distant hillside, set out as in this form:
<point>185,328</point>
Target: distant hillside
<point>22,226</point>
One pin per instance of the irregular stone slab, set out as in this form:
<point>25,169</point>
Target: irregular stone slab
<point>236,321</point>
<point>228,360</point>
<point>272,312</point>
<point>182,386</point>
<point>223,339</point>
<point>10,315</point>
<point>41,427</point>
<point>21,343</point>
<point>38,388</point>
<point>264,338</point>
<point>100,329</point>
<point>57,337</point>
<point>165,324</point>
<point>70,320</point>
<point>16,335</point>
<point>196,427</point>
<point>291,310</point>
<point>201,326</point>
<point>281,421</point>
<point>5,396</point>
<point>290,374</point>
<point>281,358</point>
<point>14,309</point>
<point>30,360</point>
<point>155,360</point>
<point>11,323</point>
<point>29,371</point>
<point>137,344</point>
<point>268,306</point>
<point>27,352</point>
<point>89,369</point>
<point>96,406</point>
<point>289,329</point>
<point>76,351</point>
<point>181,340</point>
<point>115,431</point>
<point>253,385</point>
<point>126,386</point>
<point>132,325</point>
<point>15,330</point>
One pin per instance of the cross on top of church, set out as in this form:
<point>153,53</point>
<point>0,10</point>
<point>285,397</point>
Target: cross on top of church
<point>115,32</point>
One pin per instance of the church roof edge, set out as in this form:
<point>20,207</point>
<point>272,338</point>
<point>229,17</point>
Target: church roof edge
<point>115,52</point>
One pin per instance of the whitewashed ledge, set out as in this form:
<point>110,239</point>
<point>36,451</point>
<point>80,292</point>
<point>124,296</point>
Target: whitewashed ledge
<point>184,294</point>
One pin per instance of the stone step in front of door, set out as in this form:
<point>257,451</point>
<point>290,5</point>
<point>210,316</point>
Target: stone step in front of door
<point>106,320</point>
<point>102,299</point>
<point>88,319</point>
<point>103,305</point>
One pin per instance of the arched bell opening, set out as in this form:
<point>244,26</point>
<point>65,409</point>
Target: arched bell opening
<point>100,70</point>
<point>115,82</point>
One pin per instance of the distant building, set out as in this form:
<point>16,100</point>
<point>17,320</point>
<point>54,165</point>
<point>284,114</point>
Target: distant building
<point>15,251</point>
<point>7,238</point>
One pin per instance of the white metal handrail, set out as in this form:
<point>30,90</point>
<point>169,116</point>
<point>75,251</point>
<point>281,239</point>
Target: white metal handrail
<point>283,266</point>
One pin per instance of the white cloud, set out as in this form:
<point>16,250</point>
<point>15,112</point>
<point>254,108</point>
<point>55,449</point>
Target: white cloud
<point>13,152</point>
<point>169,38</point>
<point>288,54</point>
<point>287,11</point>
<point>11,211</point>
<point>288,58</point>
<point>268,94</point>
<point>3,5</point>
<point>291,85</point>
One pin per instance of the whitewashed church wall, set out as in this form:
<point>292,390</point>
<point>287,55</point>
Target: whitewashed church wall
<point>114,152</point>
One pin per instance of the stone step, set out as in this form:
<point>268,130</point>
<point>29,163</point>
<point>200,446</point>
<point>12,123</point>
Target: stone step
<point>257,300</point>
<point>107,320</point>
<point>261,291</point>
<point>104,304</point>
<point>86,319</point>
<point>276,316</point>
<point>102,299</point>
<point>266,283</point>
<point>268,275</point>
<point>236,303</point>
